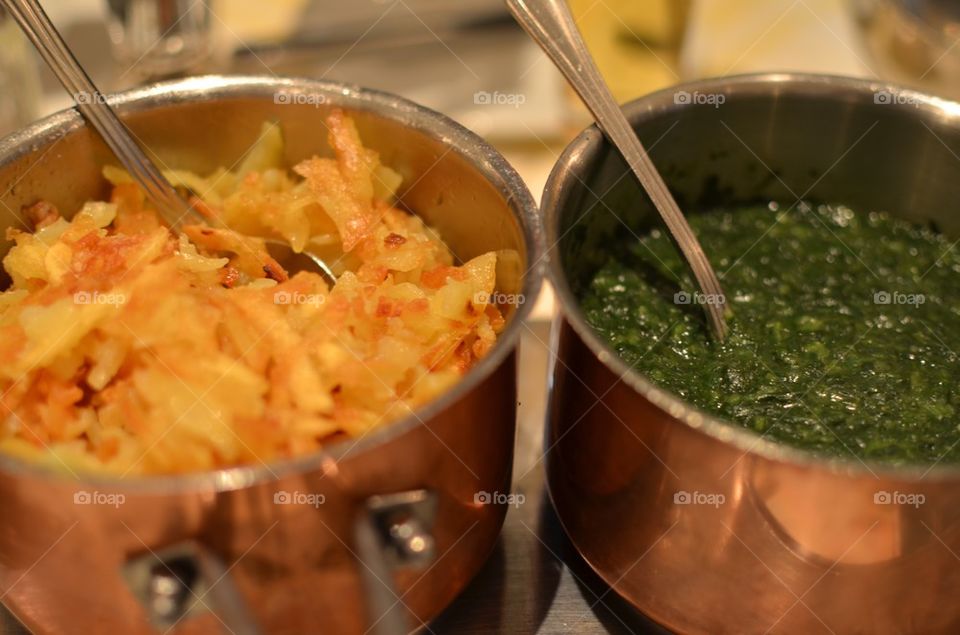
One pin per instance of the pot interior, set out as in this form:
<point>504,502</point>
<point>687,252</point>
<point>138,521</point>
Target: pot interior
<point>756,139</point>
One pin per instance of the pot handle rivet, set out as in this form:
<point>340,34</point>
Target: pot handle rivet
<point>393,531</point>
<point>184,580</point>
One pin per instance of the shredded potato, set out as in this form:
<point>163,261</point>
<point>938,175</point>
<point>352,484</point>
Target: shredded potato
<point>129,350</point>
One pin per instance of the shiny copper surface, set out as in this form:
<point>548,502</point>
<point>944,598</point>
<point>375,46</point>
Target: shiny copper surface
<point>702,525</point>
<point>295,565</point>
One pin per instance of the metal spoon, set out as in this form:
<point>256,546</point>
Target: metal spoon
<point>94,107</point>
<point>551,26</point>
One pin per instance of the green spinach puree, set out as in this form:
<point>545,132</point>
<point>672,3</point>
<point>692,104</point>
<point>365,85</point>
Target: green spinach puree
<point>844,328</point>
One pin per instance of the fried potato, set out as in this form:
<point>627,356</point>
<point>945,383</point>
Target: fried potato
<point>128,350</point>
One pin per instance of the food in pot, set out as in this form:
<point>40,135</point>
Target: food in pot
<point>845,328</point>
<point>131,350</point>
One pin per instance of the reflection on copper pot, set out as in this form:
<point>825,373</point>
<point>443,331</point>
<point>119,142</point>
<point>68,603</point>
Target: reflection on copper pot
<point>72,552</point>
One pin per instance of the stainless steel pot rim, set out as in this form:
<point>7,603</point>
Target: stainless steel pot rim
<point>590,140</point>
<point>438,126</point>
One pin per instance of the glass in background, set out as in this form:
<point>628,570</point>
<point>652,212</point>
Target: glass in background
<point>159,38</point>
<point>916,42</point>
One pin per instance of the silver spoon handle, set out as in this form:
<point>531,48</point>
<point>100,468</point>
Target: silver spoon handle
<point>551,25</point>
<point>92,104</point>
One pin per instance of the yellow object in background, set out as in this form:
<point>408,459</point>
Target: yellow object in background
<point>247,21</point>
<point>636,44</point>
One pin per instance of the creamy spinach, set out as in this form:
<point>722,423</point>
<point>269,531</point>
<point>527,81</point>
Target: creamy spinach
<point>844,328</point>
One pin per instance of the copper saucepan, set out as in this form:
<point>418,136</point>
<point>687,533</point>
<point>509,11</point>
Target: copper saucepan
<point>701,524</point>
<point>404,523</point>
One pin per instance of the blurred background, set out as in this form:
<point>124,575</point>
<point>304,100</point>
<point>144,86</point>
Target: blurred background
<point>466,59</point>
